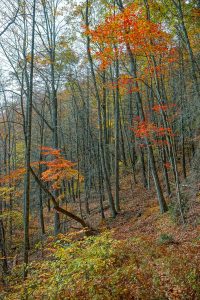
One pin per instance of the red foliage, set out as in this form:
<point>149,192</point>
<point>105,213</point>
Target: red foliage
<point>147,129</point>
<point>163,107</point>
<point>167,165</point>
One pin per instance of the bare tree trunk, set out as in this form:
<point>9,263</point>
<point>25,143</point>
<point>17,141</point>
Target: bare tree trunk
<point>117,128</point>
<point>27,183</point>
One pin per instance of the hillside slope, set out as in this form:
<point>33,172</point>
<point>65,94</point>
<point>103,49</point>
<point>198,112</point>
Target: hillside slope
<point>139,255</point>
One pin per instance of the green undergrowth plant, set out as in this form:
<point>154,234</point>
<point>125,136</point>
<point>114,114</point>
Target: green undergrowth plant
<point>165,238</point>
<point>103,267</point>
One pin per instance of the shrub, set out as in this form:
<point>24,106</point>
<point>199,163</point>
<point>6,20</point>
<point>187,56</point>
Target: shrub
<point>102,267</point>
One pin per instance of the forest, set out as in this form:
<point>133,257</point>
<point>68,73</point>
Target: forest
<point>100,149</point>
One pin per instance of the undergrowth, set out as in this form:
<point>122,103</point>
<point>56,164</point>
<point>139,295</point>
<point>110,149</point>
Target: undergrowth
<point>103,267</point>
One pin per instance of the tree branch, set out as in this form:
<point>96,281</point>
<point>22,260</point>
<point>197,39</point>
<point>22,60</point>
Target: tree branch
<point>56,205</point>
<point>10,23</point>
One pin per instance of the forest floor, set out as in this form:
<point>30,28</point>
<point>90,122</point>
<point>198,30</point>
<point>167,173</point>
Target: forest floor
<point>175,244</point>
<point>140,215</point>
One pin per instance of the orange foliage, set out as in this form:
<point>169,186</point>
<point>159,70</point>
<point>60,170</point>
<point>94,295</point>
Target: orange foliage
<point>128,27</point>
<point>58,169</point>
<point>13,176</point>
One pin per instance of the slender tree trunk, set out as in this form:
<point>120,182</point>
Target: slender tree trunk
<point>179,8</point>
<point>27,183</point>
<point>3,249</point>
<point>117,128</point>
